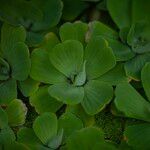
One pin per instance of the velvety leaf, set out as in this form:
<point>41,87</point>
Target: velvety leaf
<point>16,11</point>
<point>11,35</point>
<point>121,51</point>
<point>50,40</point>
<point>115,76</point>
<point>43,102</point>
<point>3,118</point>
<point>97,96</point>
<point>120,12</point>
<point>138,136</point>
<point>67,57</point>
<point>69,123</point>
<point>67,93</point>
<point>45,127</point>
<point>97,28</point>
<point>42,69</point>
<point>7,136</point>
<point>52,11</point>
<point>85,138</point>
<point>72,9</point>
<point>145,76</point>
<point>28,137</point>
<point>56,140</point>
<point>28,87</point>
<point>134,66</point>
<point>4,69</point>
<point>20,61</point>
<point>8,91</point>
<point>77,110</point>
<point>73,31</point>
<point>16,112</point>
<point>99,58</point>
<point>16,146</point>
<point>140,10</point>
<point>139,37</point>
<point>131,103</point>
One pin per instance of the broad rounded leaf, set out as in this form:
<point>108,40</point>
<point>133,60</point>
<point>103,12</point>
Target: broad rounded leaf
<point>67,57</point>
<point>28,87</point>
<point>85,139</point>
<point>43,102</point>
<point>7,136</point>
<point>131,103</point>
<point>134,66</point>
<point>69,123</point>
<point>67,93</point>
<point>42,69</point>
<point>11,35</point>
<point>73,8</point>
<point>99,58</point>
<point>145,75</point>
<point>45,127</point>
<point>52,11</point>
<point>120,12</point>
<point>16,112</point>
<point>97,96</point>
<point>138,136</point>
<point>20,61</point>
<point>3,118</point>
<point>73,31</point>
<point>115,76</point>
<point>97,28</point>
<point>8,91</point>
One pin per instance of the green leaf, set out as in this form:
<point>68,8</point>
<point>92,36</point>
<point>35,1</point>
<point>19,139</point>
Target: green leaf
<point>85,139</point>
<point>16,11</point>
<point>42,69</point>
<point>16,112</point>
<point>7,136</point>
<point>28,137</point>
<point>43,102</point>
<point>97,28</point>
<point>45,127</point>
<point>28,87</point>
<point>131,103</point>
<point>72,9</point>
<point>120,12</point>
<point>99,57</point>
<point>52,11</point>
<point>138,136</point>
<point>115,76</point>
<point>67,57</point>
<point>4,69</point>
<point>67,93</point>
<point>81,77</point>
<point>139,37</point>
<point>145,76</point>
<point>78,111</point>
<point>3,118</point>
<point>134,66</point>
<point>15,146</point>
<point>97,96</point>
<point>121,51</point>
<point>11,35</point>
<point>20,61</point>
<point>8,91</point>
<point>73,31</point>
<point>69,123</point>
<point>56,140</point>
<point>139,9</point>
<point>50,40</point>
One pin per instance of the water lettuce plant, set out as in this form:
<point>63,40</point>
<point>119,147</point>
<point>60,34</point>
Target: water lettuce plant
<point>74,74</point>
<point>73,70</point>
